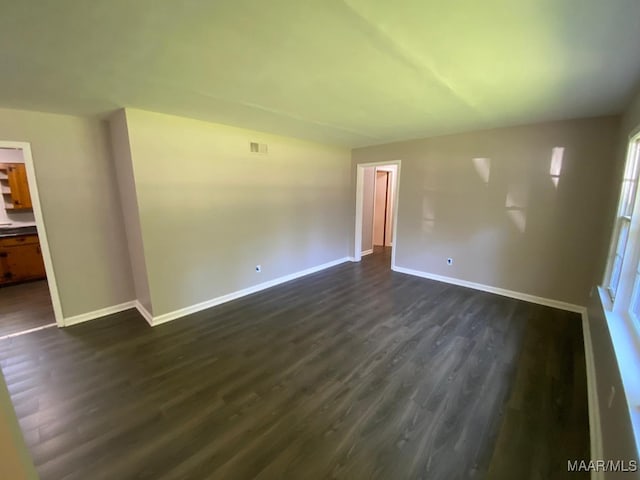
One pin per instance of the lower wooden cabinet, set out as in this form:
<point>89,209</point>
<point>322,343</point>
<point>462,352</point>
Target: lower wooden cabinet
<point>20,259</point>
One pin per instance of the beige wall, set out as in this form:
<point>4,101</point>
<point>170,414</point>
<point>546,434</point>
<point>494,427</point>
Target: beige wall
<point>507,225</point>
<point>80,205</point>
<point>121,150</point>
<point>210,211</point>
<point>10,155</point>
<point>631,118</point>
<point>15,461</point>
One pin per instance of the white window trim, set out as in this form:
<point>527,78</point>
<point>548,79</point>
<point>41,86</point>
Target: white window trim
<point>623,216</point>
<point>631,254</point>
<point>626,345</point>
<point>624,326</point>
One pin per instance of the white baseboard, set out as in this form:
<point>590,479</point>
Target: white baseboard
<point>366,252</point>
<point>144,312</point>
<point>595,428</point>
<point>167,317</point>
<point>499,291</point>
<point>85,317</point>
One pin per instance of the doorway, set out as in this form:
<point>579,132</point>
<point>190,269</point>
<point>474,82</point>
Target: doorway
<point>382,208</point>
<point>28,293</point>
<point>376,206</point>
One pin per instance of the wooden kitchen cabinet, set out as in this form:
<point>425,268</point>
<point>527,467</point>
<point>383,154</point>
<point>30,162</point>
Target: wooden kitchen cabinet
<point>15,187</point>
<point>20,259</point>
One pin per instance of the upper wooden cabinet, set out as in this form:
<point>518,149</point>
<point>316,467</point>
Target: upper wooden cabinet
<point>15,187</point>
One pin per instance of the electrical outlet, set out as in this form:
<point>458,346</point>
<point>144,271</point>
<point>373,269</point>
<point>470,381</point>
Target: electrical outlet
<point>449,261</point>
<point>258,268</point>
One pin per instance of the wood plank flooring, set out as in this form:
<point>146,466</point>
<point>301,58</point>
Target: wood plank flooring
<point>25,306</point>
<point>351,373</point>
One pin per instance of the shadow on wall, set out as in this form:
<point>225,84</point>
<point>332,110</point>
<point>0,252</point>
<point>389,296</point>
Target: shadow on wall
<point>516,204</point>
<point>517,199</point>
<point>506,193</point>
<point>532,206</point>
<point>428,213</point>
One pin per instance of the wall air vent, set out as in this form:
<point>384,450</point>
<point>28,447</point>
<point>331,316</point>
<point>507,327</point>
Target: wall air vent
<point>260,148</point>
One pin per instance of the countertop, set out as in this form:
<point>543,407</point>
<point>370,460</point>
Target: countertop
<point>17,231</point>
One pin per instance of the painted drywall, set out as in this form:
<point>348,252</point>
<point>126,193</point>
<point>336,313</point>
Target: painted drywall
<point>80,205</point>
<point>9,218</point>
<point>489,200</point>
<point>368,191</point>
<point>11,155</point>
<point>631,117</point>
<point>121,150</point>
<point>15,461</point>
<point>210,210</point>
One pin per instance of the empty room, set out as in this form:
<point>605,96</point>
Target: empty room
<point>332,239</point>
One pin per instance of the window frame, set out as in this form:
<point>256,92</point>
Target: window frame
<point>623,261</point>
<point>622,322</point>
<point>622,249</point>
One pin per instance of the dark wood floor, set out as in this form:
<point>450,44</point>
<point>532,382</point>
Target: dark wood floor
<point>25,306</point>
<point>354,372</point>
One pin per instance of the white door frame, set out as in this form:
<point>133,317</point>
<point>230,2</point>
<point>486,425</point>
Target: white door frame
<point>357,251</point>
<point>42,234</point>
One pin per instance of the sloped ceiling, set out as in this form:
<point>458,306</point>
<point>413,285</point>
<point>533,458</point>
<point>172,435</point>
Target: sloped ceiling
<point>349,72</point>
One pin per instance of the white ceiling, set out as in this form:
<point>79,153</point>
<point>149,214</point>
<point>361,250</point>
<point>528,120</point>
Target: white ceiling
<point>350,72</point>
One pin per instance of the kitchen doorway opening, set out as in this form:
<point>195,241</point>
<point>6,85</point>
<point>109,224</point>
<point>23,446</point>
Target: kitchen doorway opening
<point>29,298</point>
<point>377,189</point>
